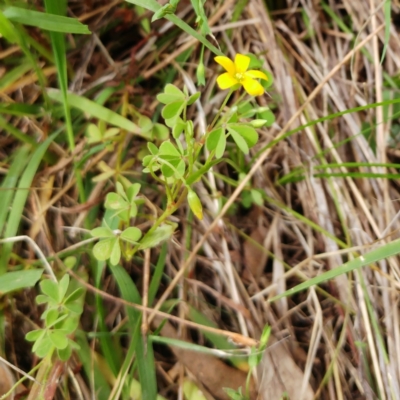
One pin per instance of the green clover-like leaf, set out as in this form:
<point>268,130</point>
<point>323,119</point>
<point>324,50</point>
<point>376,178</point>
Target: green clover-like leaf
<point>102,232</point>
<point>102,249</point>
<point>173,110</point>
<point>58,339</point>
<point>115,255</point>
<point>35,335</point>
<point>50,288</point>
<point>131,234</point>
<point>216,141</point>
<point>247,132</point>
<point>159,235</point>
<point>43,346</point>
<point>160,132</point>
<point>63,287</point>
<point>51,317</point>
<point>240,142</point>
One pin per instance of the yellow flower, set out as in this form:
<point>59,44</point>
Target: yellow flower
<point>237,73</point>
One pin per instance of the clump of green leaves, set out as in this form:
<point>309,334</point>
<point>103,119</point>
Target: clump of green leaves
<point>255,358</point>
<point>177,163</point>
<point>61,319</point>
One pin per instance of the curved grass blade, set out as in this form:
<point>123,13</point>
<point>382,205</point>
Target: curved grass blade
<point>49,22</point>
<point>7,189</point>
<point>20,197</point>
<point>96,110</point>
<point>143,349</point>
<point>385,251</point>
<point>153,6</point>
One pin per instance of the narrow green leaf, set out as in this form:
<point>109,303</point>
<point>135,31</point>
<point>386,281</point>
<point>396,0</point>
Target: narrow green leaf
<point>20,197</point>
<point>143,350</point>
<point>50,22</point>
<point>32,336</point>
<point>17,280</point>
<point>159,235</point>
<point>96,110</point>
<point>63,287</point>
<point>384,251</point>
<point>240,142</point>
<point>115,255</point>
<point>216,140</point>
<point>9,183</point>
<point>193,98</point>
<point>7,29</point>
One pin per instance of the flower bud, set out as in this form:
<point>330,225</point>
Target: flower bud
<point>258,123</point>
<point>195,204</point>
<point>201,75</point>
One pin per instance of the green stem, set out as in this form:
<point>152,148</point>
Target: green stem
<point>220,110</point>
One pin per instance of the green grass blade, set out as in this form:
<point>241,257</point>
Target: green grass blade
<point>17,35</point>
<point>20,197</point>
<point>323,119</point>
<point>144,354</point>
<point>385,251</point>
<point>14,74</point>
<point>110,347</point>
<point>21,109</point>
<point>97,380</point>
<point>96,110</point>
<point>58,45</point>
<point>158,272</point>
<point>152,5</point>
<point>55,23</point>
<point>7,189</point>
<point>19,280</point>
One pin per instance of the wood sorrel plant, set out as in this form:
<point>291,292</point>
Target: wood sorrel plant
<point>177,164</point>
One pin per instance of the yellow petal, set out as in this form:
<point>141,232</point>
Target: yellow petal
<point>256,74</point>
<point>241,63</point>
<point>226,80</point>
<point>227,63</point>
<point>252,87</point>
